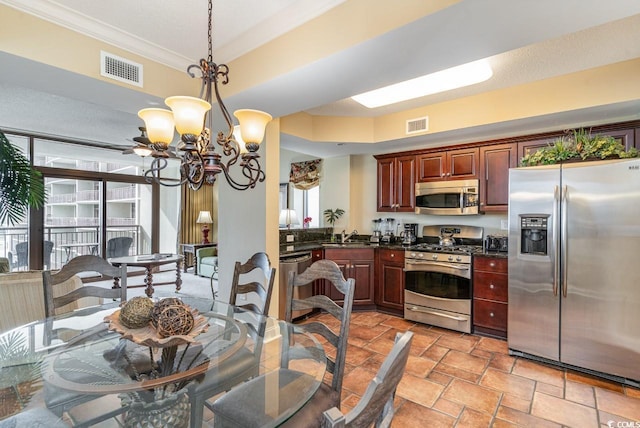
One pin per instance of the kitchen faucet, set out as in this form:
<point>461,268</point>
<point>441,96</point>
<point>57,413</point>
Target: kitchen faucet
<point>344,238</point>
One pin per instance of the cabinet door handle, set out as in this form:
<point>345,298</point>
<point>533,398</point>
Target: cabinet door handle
<point>491,286</point>
<point>491,314</point>
<point>492,264</point>
<point>393,255</point>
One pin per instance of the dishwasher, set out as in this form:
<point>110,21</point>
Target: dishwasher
<point>298,263</point>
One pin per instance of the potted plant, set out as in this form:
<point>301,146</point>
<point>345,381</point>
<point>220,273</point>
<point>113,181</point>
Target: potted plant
<point>21,185</point>
<point>331,216</point>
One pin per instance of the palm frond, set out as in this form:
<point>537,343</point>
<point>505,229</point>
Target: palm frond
<point>21,186</point>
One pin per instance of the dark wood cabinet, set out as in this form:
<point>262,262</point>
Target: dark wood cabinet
<point>626,136</point>
<point>532,146</point>
<point>356,263</point>
<point>459,164</point>
<point>389,291</point>
<point>396,183</point>
<point>495,162</point>
<point>490,295</point>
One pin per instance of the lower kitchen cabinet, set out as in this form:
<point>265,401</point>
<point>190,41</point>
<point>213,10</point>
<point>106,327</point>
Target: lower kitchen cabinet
<point>389,292</point>
<point>490,295</point>
<point>318,285</point>
<point>356,263</point>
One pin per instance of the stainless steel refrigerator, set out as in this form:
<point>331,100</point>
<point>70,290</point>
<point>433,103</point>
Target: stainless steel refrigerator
<point>574,265</point>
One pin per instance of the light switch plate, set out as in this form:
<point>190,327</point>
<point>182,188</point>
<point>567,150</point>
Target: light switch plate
<point>504,224</point>
<point>290,247</point>
<point>290,238</point>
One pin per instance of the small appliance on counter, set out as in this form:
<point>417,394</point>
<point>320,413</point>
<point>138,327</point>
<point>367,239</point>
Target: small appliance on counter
<point>389,227</point>
<point>409,233</point>
<point>377,231</point>
<point>496,243</point>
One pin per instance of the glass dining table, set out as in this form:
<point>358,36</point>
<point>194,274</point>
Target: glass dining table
<point>67,361</point>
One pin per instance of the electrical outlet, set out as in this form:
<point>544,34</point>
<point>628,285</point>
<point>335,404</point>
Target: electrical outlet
<point>290,247</point>
<point>290,238</point>
<point>504,224</point>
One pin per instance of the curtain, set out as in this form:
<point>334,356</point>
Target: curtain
<point>192,203</point>
<point>305,175</point>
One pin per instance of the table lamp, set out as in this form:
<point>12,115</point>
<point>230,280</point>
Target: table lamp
<point>204,218</point>
<point>288,217</point>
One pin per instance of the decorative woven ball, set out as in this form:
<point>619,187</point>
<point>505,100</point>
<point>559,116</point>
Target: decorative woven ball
<point>161,305</point>
<point>175,320</point>
<point>136,313</point>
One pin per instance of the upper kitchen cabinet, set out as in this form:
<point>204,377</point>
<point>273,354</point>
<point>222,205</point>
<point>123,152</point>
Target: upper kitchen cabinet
<point>532,146</point>
<point>396,183</point>
<point>625,136</point>
<point>459,164</point>
<point>495,161</point>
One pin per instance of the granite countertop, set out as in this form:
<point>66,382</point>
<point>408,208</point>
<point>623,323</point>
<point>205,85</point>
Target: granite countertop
<point>496,254</point>
<point>295,247</point>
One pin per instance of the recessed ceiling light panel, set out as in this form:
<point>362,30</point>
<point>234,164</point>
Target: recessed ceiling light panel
<point>445,80</point>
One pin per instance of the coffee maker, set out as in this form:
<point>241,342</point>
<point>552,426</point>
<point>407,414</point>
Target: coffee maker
<point>389,226</point>
<point>410,233</point>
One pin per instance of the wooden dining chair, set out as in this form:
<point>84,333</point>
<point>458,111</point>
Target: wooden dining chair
<point>375,408</point>
<point>254,281</point>
<point>244,404</point>
<point>78,265</point>
<point>56,400</point>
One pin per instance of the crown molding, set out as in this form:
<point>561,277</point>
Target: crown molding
<point>68,18</point>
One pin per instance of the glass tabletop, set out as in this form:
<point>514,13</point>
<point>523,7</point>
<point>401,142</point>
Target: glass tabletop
<point>77,353</point>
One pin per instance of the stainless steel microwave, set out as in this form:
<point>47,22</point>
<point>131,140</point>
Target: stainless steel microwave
<point>453,197</point>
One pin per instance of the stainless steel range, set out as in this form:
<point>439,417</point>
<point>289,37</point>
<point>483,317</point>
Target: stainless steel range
<point>438,276</point>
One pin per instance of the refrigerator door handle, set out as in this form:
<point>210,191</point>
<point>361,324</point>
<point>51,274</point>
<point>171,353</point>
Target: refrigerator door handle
<point>556,259</point>
<point>563,240</point>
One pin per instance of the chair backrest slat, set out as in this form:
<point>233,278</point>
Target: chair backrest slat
<point>376,405</point>
<point>329,271</point>
<point>78,265</point>
<point>261,287</point>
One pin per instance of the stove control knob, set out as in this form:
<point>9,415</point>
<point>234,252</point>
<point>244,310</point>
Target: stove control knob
<point>450,258</point>
<point>420,255</point>
<point>434,257</point>
<point>458,259</point>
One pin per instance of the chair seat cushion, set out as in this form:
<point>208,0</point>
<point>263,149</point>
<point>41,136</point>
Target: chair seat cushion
<point>245,404</point>
<point>209,261</point>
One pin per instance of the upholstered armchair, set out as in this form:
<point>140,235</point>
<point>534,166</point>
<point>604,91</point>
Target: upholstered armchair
<point>207,262</point>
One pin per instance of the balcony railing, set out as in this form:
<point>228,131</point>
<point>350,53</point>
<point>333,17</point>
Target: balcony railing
<point>62,235</point>
<point>128,192</point>
<point>65,198</point>
<point>87,195</point>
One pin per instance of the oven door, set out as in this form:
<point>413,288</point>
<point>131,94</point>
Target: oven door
<point>439,294</point>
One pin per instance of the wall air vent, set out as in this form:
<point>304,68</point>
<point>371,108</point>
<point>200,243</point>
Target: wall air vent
<point>120,69</point>
<point>420,124</point>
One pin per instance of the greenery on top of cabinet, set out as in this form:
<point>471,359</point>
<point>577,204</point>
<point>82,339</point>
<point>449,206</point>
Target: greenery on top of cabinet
<point>580,146</point>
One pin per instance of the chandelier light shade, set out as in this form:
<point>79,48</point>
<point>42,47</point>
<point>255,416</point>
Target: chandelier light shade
<point>252,124</point>
<point>159,123</point>
<point>192,117</point>
<point>188,113</point>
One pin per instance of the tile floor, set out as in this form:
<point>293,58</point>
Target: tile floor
<point>454,379</point>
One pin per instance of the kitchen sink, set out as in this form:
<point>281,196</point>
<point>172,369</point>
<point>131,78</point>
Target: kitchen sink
<point>347,244</point>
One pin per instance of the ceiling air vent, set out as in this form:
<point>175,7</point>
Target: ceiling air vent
<point>120,69</point>
<point>420,124</point>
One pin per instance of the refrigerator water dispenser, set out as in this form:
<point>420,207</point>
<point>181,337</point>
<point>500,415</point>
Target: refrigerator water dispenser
<point>533,234</point>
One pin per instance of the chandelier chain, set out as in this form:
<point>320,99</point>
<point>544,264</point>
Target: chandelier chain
<point>209,33</point>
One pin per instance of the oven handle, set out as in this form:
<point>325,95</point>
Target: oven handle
<point>428,263</point>
<point>438,314</point>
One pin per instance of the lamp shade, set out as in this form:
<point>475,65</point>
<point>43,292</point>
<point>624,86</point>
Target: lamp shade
<point>188,113</point>
<point>288,217</point>
<point>159,124</point>
<point>142,151</point>
<point>238,138</point>
<point>252,124</point>
<point>204,217</point>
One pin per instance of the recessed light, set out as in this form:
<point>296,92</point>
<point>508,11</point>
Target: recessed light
<point>440,81</point>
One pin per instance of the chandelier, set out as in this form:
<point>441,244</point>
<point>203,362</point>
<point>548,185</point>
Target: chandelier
<point>193,119</point>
